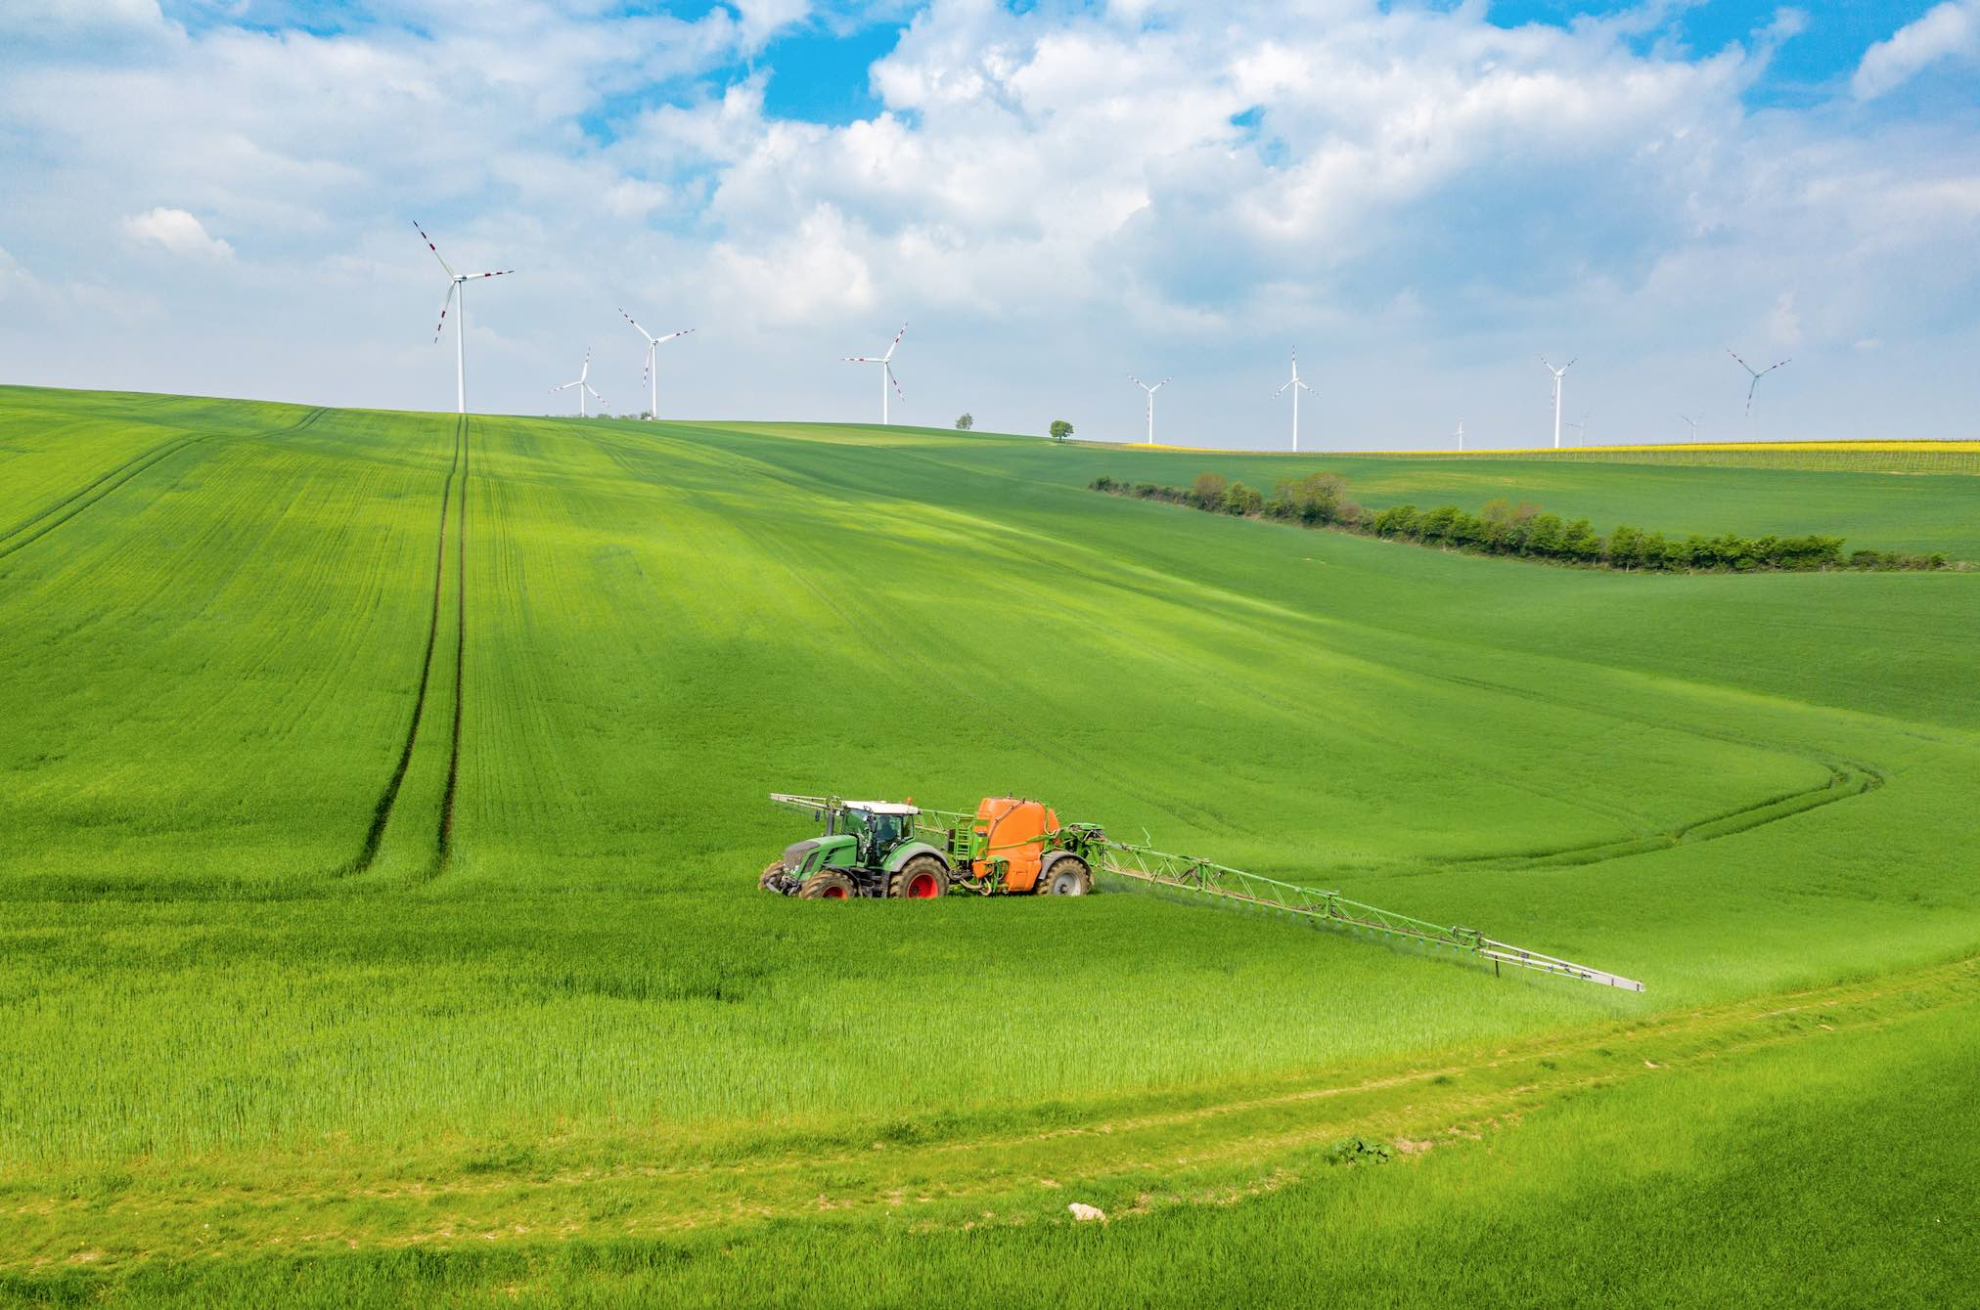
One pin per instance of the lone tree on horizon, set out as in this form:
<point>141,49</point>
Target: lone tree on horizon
<point>1061,429</point>
<point>966,422</point>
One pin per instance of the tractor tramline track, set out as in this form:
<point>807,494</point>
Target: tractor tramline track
<point>901,850</point>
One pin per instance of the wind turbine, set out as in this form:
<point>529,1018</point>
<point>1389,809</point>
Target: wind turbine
<point>1558,373</point>
<point>582,385</point>
<point>1693,422</point>
<point>1151,405</point>
<point>651,377</point>
<point>886,370</point>
<point>1581,428</point>
<point>1296,385</point>
<point>456,286</point>
<point>1460,436</point>
<point>1757,375</point>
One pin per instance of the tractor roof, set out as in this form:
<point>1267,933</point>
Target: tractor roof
<point>883,807</point>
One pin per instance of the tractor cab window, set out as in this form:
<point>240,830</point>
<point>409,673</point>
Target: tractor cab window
<point>887,830</point>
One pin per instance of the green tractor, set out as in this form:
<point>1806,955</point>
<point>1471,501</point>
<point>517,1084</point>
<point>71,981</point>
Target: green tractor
<point>1010,846</point>
<point>870,848</point>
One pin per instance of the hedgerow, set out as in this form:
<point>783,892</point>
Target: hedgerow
<point>1523,531</point>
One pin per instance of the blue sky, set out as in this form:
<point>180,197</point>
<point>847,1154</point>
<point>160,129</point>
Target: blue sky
<point>1420,197</point>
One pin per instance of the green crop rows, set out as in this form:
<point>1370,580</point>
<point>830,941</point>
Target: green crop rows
<point>383,797</point>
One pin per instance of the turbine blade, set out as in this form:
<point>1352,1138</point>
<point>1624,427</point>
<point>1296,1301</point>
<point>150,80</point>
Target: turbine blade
<point>671,335</point>
<point>1742,363</point>
<point>1302,385</point>
<point>500,272</point>
<point>435,249</point>
<point>897,341</point>
<point>635,322</point>
<point>446,305</point>
<point>863,359</point>
<point>1281,391</point>
<point>1771,367</point>
<point>891,378</point>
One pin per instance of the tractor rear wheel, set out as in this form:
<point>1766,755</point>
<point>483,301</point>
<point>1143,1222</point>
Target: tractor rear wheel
<point>827,886</point>
<point>1069,877</point>
<point>923,878</point>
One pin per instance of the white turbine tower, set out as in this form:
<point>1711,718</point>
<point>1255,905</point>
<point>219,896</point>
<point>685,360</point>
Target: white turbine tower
<point>1692,423</point>
<point>1757,375</point>
<point>886,370</point>
<point>1581,428</point>
<point>1151,402</point>
<point>1460,436</point>
<point>582,385</point>
<point>1294,383</point>
<point>1559,373</point>
<point>456,286</point>
<point>651,377</point>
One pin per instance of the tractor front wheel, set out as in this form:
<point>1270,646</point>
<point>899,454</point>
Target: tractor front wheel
<point>770,872</point>
<point>827,886</point>
<point>1069,877</point>
<point>923,878</point>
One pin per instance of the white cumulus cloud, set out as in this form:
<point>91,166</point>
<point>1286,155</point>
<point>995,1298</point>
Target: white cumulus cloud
<point>1053,195</point>
<point>1950,31</point>
<point>177,232</point>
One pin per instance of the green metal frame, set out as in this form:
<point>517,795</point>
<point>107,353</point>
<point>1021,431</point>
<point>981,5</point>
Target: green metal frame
<point>1206,877</point>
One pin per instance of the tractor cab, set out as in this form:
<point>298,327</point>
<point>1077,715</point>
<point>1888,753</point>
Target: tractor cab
<point>877,827</point>
<point>869,848</point>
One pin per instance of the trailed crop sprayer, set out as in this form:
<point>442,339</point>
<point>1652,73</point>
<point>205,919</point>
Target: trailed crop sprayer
<point>1018,847</point>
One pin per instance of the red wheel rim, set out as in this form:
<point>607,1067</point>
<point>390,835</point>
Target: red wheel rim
<point>835,893</point>
<point>921,887</point>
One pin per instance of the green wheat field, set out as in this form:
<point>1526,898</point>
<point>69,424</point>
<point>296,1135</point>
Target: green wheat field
<point>382,797</point>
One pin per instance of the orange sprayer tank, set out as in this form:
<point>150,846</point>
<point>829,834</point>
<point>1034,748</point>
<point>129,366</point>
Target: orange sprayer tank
<point>1013,830</point>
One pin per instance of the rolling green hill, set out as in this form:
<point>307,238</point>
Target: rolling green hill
<point>383,796</point>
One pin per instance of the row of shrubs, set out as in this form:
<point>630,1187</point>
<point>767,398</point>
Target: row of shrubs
<point>1320,500</point>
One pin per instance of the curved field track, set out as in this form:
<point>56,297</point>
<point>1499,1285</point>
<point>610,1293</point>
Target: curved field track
<point>414,943</point>
<point>39,524</point>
